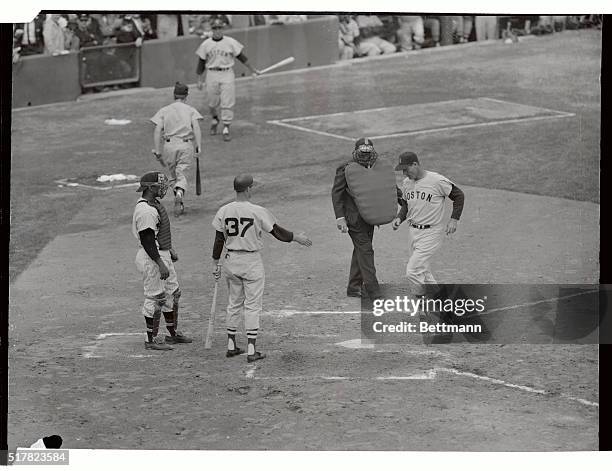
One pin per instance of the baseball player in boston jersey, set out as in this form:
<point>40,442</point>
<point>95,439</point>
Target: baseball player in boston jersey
<point>423,194</point>
<point>216,56</point>
<point>240,226</point>
<point>155,261</point>
<point>177,129</point>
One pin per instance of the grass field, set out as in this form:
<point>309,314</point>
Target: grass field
<point>531,216</point>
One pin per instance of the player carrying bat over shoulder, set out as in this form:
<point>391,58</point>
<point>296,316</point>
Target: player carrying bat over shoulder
<point>177,131</point>
<point>240,226</point>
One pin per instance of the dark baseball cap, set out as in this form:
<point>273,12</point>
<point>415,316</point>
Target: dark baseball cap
<point>242,182</point>
<point>217,23</point>
<point>364,145</point>
<point>148,179</point>
<point>180,89</point>
<point>406,159</point>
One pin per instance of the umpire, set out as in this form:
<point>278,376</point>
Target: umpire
<point>348,219</point>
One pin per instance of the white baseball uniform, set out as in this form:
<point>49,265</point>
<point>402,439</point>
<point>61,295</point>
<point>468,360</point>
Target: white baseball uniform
<point>220,80</point>
<point>159,294</point>
<point>178,135</point>
<point>425,201</point>
<point>243,224</point>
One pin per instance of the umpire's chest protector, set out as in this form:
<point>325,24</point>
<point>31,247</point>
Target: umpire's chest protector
<point>373,190</point>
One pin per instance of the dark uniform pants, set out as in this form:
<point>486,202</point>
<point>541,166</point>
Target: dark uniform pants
<point>362,263</point>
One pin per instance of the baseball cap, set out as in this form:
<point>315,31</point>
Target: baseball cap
<point>83,16</point>
<point>242,182</point>
<point>217,23</point>
<point>364,145</point>
<point>406,159</point>
<point>180,89</point>
<point>148,179</point>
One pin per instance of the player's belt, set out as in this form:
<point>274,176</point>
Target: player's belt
<point>184,139</point>
<point>421,226</point>
<point>245,251</point>
<point>220,69</point>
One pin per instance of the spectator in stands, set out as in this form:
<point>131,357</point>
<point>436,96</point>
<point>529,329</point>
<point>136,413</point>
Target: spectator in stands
<point>198,24</point>
<point>431,26</point>
<point>462,28</point>
<point>128,33</point>
<point>32,37</point>
<point>17,37</point>
<point>109,24</point>
<point>370,28</point>
<point>411,32</point>
<point>171,26</point>
<point>54,36</point>
<point>88,32</point>
<point>348,35</point>
<point>147,29</point>
<point>486,28</point>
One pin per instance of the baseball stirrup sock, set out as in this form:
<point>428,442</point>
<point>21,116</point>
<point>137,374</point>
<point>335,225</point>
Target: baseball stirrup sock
<point>231,339</point>
<point>169,316</point>
<point>149,321</point>
<point>251,346</point>
<point>156,319</point>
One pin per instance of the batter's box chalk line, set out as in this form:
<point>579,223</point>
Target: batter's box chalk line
<point>91,351</point>
<point>428,375</point>
<point>552,114</point>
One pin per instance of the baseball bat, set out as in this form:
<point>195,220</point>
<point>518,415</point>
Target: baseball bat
<point>198,178</point>
<point>211,320</point>
<point>286,61</point>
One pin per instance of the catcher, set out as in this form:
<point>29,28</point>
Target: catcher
<point>155,261</point>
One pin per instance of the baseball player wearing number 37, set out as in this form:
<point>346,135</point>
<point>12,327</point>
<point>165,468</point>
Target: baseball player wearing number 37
<point>423,196</point>
<point>240,226</point>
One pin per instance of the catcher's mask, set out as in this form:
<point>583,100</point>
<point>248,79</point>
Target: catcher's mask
<point>151,179</point>
<point>364,153</point>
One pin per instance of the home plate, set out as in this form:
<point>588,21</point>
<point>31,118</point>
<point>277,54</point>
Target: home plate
<point>355,343</point>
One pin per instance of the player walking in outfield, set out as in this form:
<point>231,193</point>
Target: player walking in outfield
<point>423,194</point>
<point>348,219</point>
<point>240,226</point>
<point>177,127</point>
<point>216,56</point>
<point>155,260</point>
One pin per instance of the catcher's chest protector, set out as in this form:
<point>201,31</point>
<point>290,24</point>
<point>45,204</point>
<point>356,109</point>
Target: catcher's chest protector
<point>373,190</point>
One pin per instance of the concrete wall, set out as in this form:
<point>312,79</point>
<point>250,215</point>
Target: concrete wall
<point>39,79</point>
<point>46,79</point>
<point>312,43</point>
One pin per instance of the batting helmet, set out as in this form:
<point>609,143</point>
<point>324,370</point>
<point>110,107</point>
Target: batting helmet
<point>364,153</point>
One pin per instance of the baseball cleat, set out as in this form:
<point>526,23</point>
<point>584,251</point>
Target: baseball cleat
<point>256,356</point>
<point>226,134</point>
<point>157,343</point>
<point>213,127</point>
<point>232,353</point>
<point>178,338</point>
<point>354,293</point>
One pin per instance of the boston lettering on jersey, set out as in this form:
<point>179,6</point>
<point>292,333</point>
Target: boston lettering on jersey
<point>417,195</point>
<point>218,52</point>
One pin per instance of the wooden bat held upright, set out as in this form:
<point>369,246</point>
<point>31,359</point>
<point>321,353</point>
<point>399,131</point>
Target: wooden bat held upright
<point>211,320</point>
<point>198,178</point>
<point>282,63</point>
